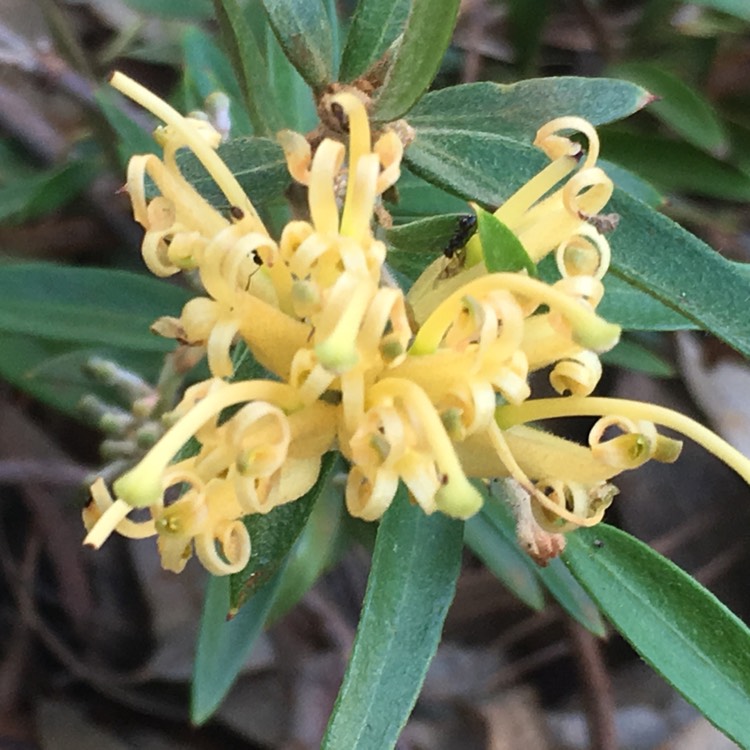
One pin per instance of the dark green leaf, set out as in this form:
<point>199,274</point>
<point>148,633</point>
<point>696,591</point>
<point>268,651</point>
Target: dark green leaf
<point>224,644</point>
<point>501,248</point>
<point>424,236</point>
<point>518,110</point>
<point>304,32</point>
<point>273,535</point>
<point>194,10</point>
<point>656,255</point>
<point>412,580</point>
<point>44,192</point>
<point>677,626</point>
<point>556,579</point>
<point>492,539</point>
<point>636,310</point>
<point>738,8</point>
<point>632,184</point>
<point>679,106</point>
<point>249,62</point>
<point>257,163</point>
<point>526,19</point>
<point>632,355</point>
<point>297,102</point>
<point>318,546</point>
<point>374,27</point>
<point>484,167</point>
<point>427,35</point>
<point>415,199</point>
<point>133,139</point>
<point>208,70</point>
<point>86,305</point>
<point>676,166</point>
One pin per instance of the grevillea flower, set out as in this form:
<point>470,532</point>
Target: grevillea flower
<point>430,389</point>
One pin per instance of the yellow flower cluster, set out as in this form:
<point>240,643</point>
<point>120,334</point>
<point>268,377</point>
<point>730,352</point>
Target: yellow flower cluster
<point>428,389</point>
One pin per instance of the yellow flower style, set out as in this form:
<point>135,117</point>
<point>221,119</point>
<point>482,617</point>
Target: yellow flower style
<point>429,389</point>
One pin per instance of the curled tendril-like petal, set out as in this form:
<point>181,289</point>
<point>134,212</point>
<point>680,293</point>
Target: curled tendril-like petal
<point>467,408</point>
<point>101,502</point>
<point>577,375</point>
<point>586,253</point>
<point>563,505</point>
<point>366,498</point>
<point>260,435</point>
<point>297,153</point>
<point>234,541</point>
<point>587,192</point>
<point>639,442</point>
<point>510,379</point>
<point>390,150</point>
<point>309,376</point>
<point>554,145</point>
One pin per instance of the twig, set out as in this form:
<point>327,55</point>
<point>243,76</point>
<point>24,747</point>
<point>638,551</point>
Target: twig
<point>597,688</point>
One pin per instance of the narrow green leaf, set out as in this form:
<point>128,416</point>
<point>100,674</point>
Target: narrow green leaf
<point>249,62</point>
<point>527,19</point>
<point>207,70</point>
<point>273,534</point>
<point>44,192</point>
<point>424,236</point>
<point>374,27</point>
<point>304,32</point>
<point>415,198</point>
<point>656,255</point>
<point>298,104</point>
<point>318,547</point>
<point>86,305</point>
<point>483,167</point>
<point>518,110</point>
<point>492,539</point>
<point>679,106</point>
<point>257,163</point>
<point>414,570</point>
<point>738,8</point>
<point>635,310</point>
<point>676,166</point>
<point>427,34</point>
<point>556,579</point>
<point>632,355</point>
<point>501,248</point>
<point>224,644</point>
<point>194,10</point>
<point>679,628</point>
<point>632,184</point>
<point>571,597</point>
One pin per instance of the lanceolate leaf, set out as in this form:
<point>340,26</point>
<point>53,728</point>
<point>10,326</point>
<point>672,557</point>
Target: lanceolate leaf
<point>304,32</point>
<point>679,105</point>
<point>556,579</point>
<point>374,27</point>
<point>86,305</point>
<point>249,63</point>
<point>677,166</point>
<point>273,535</point>
<point>412,580</point>
<point>257,163</point>
<point>656,255</point>
<point>224,644</point>
<point>426,37</point>
<point>520,109</point>
<point>738,8</point>
<point>677,626</point>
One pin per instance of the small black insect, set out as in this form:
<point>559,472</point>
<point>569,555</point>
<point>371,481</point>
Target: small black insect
<point>236,213</point>
<point>598,543</point>
<point>467,226</point>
